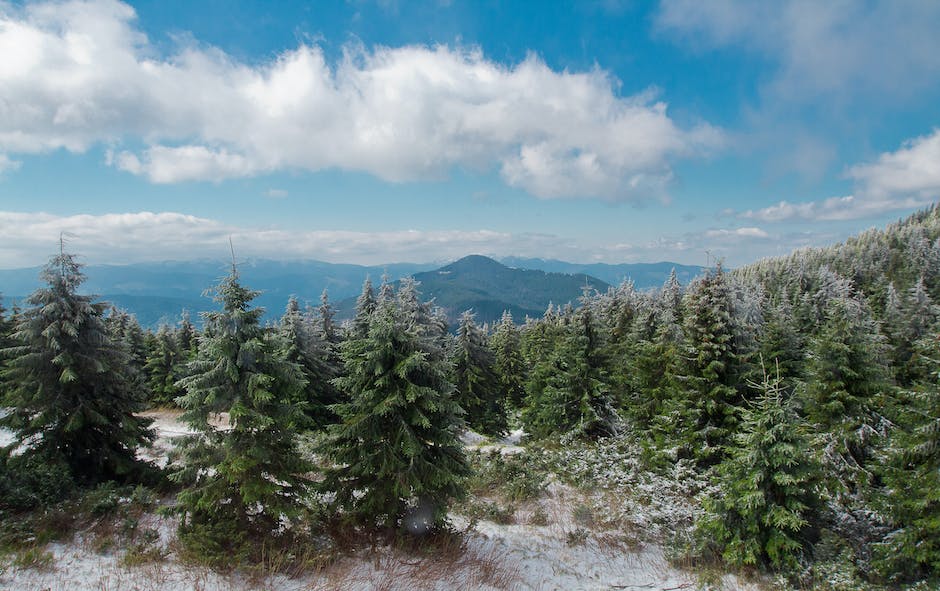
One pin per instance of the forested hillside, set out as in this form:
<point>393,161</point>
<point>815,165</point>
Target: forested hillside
<point>793,405</point>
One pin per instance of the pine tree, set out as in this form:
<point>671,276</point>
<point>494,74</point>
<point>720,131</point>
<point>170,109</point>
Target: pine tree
<point>767,499</point>
<point>70,395</point>
<point>249,474</point>
<point>702,414</point>
<point>187,338</point>
<point>508,363</point>
<point>846,383</point>
<point>477,386</point>
<point>912,478</point>
<point>164,368</point>
<point>305,349</point>
<point>365,306</point>
<point>397,460</point>
<point>572,396</point>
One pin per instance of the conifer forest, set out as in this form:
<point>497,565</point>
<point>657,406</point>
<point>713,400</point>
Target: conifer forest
<point>773,426</point>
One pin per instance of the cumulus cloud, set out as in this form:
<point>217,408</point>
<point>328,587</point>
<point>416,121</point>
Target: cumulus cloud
<point>904,179</point>
<point>79,73</point>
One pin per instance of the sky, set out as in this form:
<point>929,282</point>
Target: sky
<point>391,131</point>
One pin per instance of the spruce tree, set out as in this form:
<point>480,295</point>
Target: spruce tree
<point>702,414</point>
<point>508,362</point>
<point>70,395</point>
<point>572,396</point>
<point>477,386</point>
<point>187,339</point>
<point>305,349</point>
<point>912,477</point>
<point>247,473</point>
<point>846,385</point>
<point>765,507</point>
<point>396,457</point>
<point>365,306</point>
<point>164,368</point>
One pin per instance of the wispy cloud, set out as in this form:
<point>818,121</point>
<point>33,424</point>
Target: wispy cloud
<point>145,236</point>
<point>846,49</point>
<point>80,73</point>
<point>907,178</point>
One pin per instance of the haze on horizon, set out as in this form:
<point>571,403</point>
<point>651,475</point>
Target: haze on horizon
<point>378,132</point>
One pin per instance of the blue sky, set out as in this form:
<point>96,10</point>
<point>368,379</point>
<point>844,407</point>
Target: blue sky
<point>374,132</point>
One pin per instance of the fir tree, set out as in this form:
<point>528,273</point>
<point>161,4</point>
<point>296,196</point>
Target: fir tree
<point>250,473</point>
<point>305,349</point>
<point>164,368</point>
<point>702,414</point>
<point>912,478</point>
<point>477,386</point>
<point>846,382</point>
<point>572,395</point>
<point>767,499</point>
<point>187,338</point>
<point>508,363</point>
<point>397,460</point>
<point>365,306</point>
<point>70,394</point>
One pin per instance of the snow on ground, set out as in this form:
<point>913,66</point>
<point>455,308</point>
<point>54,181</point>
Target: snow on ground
<point>567,552</point>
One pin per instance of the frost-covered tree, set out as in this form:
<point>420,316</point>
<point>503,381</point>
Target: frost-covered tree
<point>70,397</point>
<point>912,477</point>
<point>304,347</point>
<point>396,457</point>
<point>365,306</point>
<point>767,498</point>
<point>476,383</point>
<point>187,339</point>
<point>248,472</point>
<point>846,383</point>
<point>702,414</point>
<point>509,364</point>
<point>571,395</point>
<point>164,368</point>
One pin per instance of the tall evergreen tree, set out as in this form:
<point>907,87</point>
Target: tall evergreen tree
<point>764,510</point>
<point>397,460</point>
<point>702,414</point>
<point>508,363</point>
<point>164,368</point>
<point>912,476</point>
<point>70,395</point>
<point>249,473</point>
<point>846,385</point>
<point>365,306</point>
<point>306,349</point>
<point>572,396</point>
<point>477,386</point>
<point>187,338</point>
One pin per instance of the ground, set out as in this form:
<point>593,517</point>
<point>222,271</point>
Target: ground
<point>555,536</point>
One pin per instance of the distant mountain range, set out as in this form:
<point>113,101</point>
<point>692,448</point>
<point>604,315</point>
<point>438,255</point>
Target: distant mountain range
<point>158,292</point>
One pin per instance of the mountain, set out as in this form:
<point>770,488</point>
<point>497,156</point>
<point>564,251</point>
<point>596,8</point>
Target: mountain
<point>644,275</point>
<point>158,292</point>
<point>488,288</point>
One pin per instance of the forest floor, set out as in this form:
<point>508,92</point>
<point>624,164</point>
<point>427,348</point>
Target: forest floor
<point>553,535</point>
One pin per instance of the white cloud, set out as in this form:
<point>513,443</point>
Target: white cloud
<point>912,172</point>
<point>28,238</point>
<point>841,49</point>
<point>77,74</point>
<point>144,236</point>
<point>275,193</point>
<point>6,164</point>
<point>905,179</point>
